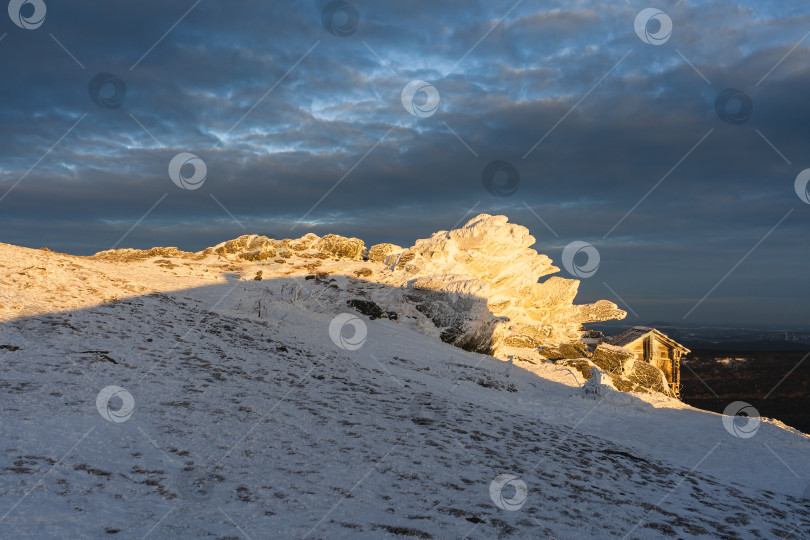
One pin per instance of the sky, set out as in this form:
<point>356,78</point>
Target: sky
<point>141,124</point>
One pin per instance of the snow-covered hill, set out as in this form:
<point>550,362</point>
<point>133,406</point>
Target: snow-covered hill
<point>170,396</point>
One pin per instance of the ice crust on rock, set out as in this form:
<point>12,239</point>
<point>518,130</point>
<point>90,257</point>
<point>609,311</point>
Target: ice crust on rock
<point>482,283</point>
<point>481,287</point>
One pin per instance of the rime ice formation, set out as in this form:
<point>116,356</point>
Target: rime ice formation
<point>477,287</point>
<point>258,248</point>
<point>480,283</point>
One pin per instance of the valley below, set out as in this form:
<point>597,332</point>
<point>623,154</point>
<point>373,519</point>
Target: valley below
<point>776,383</point>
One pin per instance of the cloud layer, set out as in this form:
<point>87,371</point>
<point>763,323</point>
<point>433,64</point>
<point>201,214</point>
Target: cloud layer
<point>617,142</point>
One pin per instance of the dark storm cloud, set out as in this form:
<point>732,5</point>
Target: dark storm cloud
<point>313,116</point>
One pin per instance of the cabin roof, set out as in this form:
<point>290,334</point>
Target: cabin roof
<point>637,332</point>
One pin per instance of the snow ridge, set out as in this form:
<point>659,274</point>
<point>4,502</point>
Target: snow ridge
<point>248,418</point>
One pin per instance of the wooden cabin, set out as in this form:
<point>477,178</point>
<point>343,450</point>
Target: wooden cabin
<point>655,348</point>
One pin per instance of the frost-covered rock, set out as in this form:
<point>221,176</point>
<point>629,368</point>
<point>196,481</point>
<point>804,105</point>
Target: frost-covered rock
<point>628,372</point>
<point>303,243</point>
<point>615,360</point>
<point>340,247</point>
<point>127,255</point>
<point>251,247</point>
<point>380,252</point>
<point>565,351</point>
<point>480,285</point>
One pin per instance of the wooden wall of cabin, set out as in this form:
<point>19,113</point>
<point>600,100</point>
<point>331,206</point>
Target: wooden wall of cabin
<point>668,360</point>
<point>637,347</point>
<point>663,358</point>
<point>655,351</point>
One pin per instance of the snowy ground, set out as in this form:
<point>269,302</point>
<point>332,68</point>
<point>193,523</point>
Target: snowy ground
<point>250,421</point>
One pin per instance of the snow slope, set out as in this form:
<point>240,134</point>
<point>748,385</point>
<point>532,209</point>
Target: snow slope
<point>250,421</point>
